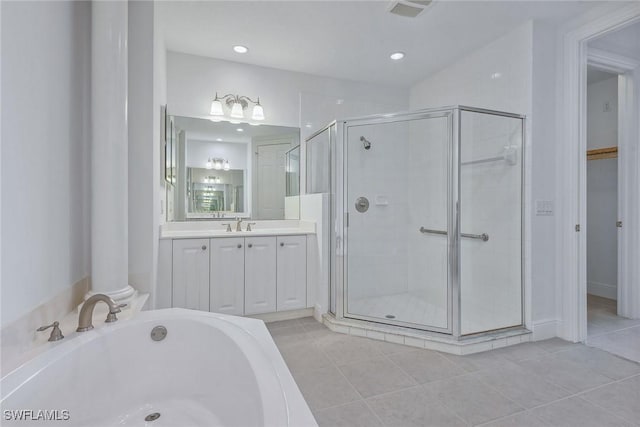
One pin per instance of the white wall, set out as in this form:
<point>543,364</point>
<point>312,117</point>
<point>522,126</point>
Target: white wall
<point>199,151</point>
<point>515,73</point>
<point>602,190</point>
<point>602,126</point>
<point>45,151</point>
<point>289,98</point>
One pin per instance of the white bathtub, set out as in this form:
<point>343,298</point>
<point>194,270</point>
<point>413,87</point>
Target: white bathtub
<point>210,370</point>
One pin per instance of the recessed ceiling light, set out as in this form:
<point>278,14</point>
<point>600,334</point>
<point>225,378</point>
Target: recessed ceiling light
<point>240,130</point>
<point>240,49</point>
<point>218,139</point>
<point>396,56</point>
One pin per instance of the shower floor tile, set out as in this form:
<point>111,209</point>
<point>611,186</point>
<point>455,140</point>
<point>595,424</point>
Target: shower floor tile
<point>409,307</point>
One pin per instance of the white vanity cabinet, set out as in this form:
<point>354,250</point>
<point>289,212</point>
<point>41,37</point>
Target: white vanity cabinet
<point>190,274</point>
<point>226,275</point>
<point>260,275</point>
<point>242,275</point>
<point>291,272</point>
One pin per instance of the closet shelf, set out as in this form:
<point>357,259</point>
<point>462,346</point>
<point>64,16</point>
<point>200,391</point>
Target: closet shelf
<point>602,153</point>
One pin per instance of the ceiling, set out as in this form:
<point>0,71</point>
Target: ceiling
<point>625,41</point>
<point>348,39</point>
<point>595,75</point>
<point>208,130</point>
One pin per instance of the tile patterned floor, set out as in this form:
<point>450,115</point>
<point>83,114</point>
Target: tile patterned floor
<point>610,332</point>
<point>353,381</point>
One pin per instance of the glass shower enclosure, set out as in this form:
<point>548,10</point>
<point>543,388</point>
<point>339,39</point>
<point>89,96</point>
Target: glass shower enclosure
<point>426,218</point>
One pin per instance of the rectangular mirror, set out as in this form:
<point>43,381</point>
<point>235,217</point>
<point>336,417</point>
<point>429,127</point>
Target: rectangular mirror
<point>226,170</point>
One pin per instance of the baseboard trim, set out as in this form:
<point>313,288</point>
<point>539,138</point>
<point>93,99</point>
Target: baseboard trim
<point>604,290</point>
<point>283,315</point>
<point>545,329</point>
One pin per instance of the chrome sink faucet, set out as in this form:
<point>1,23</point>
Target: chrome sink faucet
<point>238,224</point>
<point>86,313</point>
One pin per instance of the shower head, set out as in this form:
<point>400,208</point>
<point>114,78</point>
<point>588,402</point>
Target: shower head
<point>365,143</point>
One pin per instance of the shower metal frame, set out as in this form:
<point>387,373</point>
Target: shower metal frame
<point>338,181</point>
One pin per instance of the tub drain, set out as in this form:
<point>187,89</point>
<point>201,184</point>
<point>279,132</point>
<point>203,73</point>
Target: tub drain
<point>158,333</point>
<point>152,417</point>
<point>390,316</point>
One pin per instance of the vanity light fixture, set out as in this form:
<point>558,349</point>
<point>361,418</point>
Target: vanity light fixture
<point>217,164</point>
<point>237,104</point>
<point>211,180</point>
<point>396,56</point>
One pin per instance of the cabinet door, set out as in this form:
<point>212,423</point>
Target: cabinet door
<point>260,275</point>
<point>292,272</point>
<point>190,277</point>
<point>227,275</point>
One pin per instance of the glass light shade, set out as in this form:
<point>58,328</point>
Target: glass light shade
<point>216,108</point>
<point>236,111</point>
<point>258,112</point>
<point>218,164</point>
<point>209,164</point>
<point>226,165</point>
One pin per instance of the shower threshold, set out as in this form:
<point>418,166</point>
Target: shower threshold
<point>428,340</point>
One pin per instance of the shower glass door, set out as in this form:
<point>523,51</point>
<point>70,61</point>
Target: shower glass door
<point>490,206</point>
<point>397,177</point>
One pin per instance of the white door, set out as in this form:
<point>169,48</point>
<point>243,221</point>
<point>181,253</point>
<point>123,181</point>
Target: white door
<point>260,275</point>
<point>227,275</point>
<point>271,176</point>
<point>190,278</point>
<point>292,272</point>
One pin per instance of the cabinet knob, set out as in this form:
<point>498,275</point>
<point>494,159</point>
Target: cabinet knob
<point>281,243</point>
<point>239,245</point>
<point>204,247</point>
<point>250,245</point>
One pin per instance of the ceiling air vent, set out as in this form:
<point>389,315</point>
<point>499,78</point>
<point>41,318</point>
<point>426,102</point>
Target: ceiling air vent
<point>409,8</point>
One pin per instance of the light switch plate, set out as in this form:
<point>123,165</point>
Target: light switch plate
<point>544,207</point>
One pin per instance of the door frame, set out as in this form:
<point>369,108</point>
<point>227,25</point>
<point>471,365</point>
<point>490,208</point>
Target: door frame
<point>571,189</point>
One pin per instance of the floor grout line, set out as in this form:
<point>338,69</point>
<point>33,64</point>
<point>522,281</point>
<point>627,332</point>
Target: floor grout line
<point>547,353</point>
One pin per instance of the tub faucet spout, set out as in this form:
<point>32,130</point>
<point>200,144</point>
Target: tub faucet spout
<point>86,313</point>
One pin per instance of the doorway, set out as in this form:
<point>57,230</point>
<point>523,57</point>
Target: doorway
<point>602,205</point>
<point>585,45</point>
<point>608,184</point>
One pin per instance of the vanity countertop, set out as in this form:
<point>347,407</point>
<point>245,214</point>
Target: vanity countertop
<point>209,229</point>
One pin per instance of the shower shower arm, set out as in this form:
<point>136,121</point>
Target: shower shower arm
<point>484,236</point>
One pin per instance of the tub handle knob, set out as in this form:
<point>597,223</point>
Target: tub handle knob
<point>56,333</point>
<point>111,317</point>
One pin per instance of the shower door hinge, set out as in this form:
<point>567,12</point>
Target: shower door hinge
<point>577,227</point>
<point>619,224</point>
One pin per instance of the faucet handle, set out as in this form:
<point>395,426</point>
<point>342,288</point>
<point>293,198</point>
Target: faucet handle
<point>111,317</point>
<point>228,227</point>
<point>56,333</point>
<point>249,224</point>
